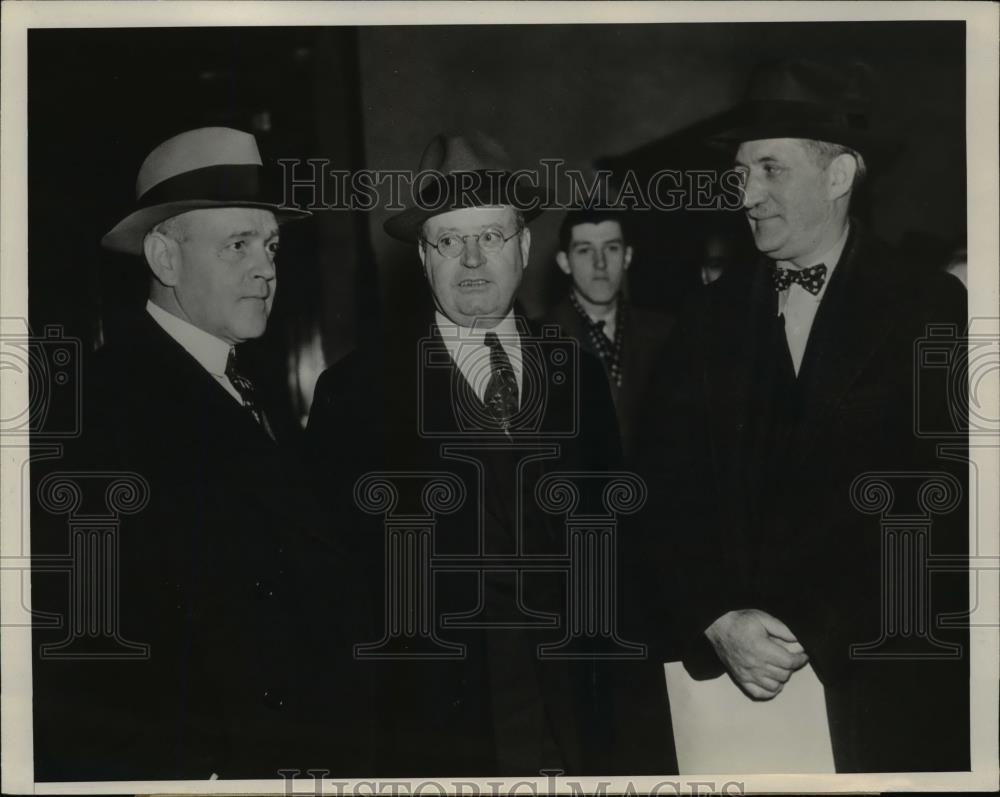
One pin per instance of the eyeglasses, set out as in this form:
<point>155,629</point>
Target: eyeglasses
<point>490,240</point>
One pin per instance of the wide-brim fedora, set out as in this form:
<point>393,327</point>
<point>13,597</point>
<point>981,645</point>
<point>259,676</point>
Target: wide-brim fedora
<point>211,167</point>
<point>809,100</point>
<point>459,171</point>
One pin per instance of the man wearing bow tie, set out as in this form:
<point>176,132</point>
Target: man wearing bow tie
<point>783,384</point>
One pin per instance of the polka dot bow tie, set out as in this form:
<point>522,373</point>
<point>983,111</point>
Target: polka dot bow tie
<point>811,279</point>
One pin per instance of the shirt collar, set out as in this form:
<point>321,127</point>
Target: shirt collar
<point>453,334</point>
<point>609,319</point>
<point>465,346</point>
<point>211,352</point>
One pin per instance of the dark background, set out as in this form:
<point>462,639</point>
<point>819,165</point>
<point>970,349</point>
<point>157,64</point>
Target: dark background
<point>618,96</point>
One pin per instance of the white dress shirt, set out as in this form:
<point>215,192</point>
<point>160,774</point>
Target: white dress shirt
<point>799,306</point>
<point>210,352</point>
<point>468,350</point>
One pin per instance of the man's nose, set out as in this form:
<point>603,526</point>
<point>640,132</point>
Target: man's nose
<point>472,255</point>
<point>753,192</point>
<point>263,265</point>
<point>600,261</point>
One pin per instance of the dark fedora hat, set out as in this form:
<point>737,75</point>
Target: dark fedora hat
<point>211,167</point>
<point>805,99</point>
<point>463,171</point>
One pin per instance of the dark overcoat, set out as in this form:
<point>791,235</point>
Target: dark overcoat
<point>231,574</point>
<point>403,406</point>
<point>645,335</point>
<point>757,504</point>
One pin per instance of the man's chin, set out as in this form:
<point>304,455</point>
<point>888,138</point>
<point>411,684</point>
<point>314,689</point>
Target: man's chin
<point>601,297</point>
<point>483,311</point>
<point>249,330</point>
<point>768,245</point>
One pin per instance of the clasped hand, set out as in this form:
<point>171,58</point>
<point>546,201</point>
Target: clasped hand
<point>759,651</point>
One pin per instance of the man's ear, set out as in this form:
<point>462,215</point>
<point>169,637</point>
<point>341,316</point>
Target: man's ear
<point>525,246</point>
<point>163,256</point>
<point>422,254</point>
<point>563,262</point>
<point>628,257</point>
<point>840,176</point>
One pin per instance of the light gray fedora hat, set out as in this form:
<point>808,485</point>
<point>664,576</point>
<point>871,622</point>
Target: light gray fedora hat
<point>211,167</point>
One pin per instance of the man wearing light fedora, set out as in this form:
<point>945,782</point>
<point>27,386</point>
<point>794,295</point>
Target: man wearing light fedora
<point>784,384</point>
<point>229,574</point>
<point>479,395</point>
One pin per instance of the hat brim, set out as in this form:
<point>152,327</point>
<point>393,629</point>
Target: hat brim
<point>127,236</point>
<point>760,120</point>
<point>462,191</point>
<point>405,226</point>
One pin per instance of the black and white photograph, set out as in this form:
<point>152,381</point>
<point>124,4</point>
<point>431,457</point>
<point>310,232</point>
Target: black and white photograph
<point>627,420</point>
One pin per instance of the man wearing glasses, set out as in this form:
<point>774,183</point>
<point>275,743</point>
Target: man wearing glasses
<point>478,398</point>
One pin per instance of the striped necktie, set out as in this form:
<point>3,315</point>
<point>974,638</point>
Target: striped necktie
<point>245,388</point>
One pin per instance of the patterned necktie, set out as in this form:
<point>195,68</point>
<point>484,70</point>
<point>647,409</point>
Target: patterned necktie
<point>811,279</point>
<point>245,388</point>
<point>500,397</point>
<point>610,351</point>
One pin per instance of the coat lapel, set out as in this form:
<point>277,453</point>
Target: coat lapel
<point>181,373</point>
<point>733,342</point>
<point>450,382</point>
<point>850,325</point>
<point>566,316</point>
<point>428,398</point>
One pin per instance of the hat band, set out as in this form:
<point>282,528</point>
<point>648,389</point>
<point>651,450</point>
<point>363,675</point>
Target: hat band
<point>763,111</point>
<point>226,183</point>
